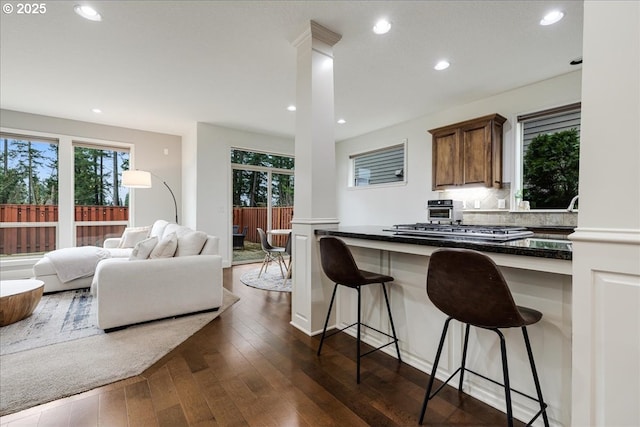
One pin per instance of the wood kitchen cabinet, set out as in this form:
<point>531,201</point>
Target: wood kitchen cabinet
<point>468,153</point>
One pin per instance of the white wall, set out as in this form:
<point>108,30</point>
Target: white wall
<point>212,176</point>
<point>406,203</point>
<point>147,205</point>
<point>190,176</point>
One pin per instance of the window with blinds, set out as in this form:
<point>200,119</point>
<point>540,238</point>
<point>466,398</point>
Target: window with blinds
<point>548,122</point>
<point>379,167</point>
<point>550,157</point>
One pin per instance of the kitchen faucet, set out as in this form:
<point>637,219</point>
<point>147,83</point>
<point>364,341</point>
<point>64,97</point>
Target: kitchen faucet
<point>572,204</point>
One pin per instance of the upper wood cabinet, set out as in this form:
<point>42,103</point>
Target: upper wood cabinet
<point>468,153</point>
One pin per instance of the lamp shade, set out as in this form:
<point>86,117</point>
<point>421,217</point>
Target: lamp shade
<point>136,179</point>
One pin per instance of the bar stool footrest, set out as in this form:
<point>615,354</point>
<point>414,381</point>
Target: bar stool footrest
<point>535,417</point>
<point>337,331</point>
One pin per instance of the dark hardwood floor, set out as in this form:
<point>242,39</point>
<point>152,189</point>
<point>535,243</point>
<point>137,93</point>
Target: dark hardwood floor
<point>250,367</point>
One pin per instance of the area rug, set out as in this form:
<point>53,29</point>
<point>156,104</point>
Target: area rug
<point>269,280</point>
<point>60,369</point>
<point>59,317</point>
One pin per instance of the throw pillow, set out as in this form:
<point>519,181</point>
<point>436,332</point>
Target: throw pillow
<point>133,235</point>
<point>210,246</point>
<point>143,249</point>
<point>158,228</point>
<point>166,248</point>
<point>191,243</point>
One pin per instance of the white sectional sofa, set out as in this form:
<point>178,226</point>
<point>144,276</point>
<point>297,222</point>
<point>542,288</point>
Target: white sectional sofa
<point>174,271</point>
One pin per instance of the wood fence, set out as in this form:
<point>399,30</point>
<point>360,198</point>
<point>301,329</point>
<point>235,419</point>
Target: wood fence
<point>28,239</point>
<point>23,240</point>
<point>252,218</point>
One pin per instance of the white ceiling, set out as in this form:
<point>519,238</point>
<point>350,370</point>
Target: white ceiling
<point>165,65</point>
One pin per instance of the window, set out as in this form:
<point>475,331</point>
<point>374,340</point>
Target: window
<point>101,202</point>
<point>28,195</point>
<point>550,156</point>
<point>382,166</point>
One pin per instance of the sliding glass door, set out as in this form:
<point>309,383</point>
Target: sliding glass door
<point>262,198</point>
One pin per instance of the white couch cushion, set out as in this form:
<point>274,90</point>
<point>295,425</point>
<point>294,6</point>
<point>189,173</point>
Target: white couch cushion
<point>120,252</point>
<point>133,235</point>
<point>190,242</point>
<point>157,230</point>
<point>210,247</point>
<point>143,249</point>
<point>173,228</point>
<point>166,248</point>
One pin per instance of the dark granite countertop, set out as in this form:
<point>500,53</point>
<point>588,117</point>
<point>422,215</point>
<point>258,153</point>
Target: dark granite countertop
<point>536,246</point>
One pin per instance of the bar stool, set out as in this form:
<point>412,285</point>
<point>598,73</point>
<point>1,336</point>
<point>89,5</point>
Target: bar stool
<point>468,286</point>
<point>339,266</point>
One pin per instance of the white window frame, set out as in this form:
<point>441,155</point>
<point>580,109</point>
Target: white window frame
<point>518,178</point>
<point>87,143</point>
<point>352,172</point>
<point>20,259</point>
<point>66,230</point>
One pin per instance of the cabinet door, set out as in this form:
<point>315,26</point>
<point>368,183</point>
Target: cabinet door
<point>446,160</point>
<point>468,153</point>
<point>476,154</point>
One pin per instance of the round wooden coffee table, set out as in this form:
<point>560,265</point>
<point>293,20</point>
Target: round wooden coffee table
<point>18,299</point>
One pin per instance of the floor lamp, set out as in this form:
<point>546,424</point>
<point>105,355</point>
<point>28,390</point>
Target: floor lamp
<point>142,179</point>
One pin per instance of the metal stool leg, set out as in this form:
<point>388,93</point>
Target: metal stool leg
<point>358,337</point>
<point>543,406</point>
<point>427,395</point>
<point>505,372</point>
<point>393,328</point>
<point>326,322</point>
<point>464,355</point>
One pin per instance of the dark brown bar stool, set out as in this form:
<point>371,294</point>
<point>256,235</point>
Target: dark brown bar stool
<point>339,266</point>
<point>468,286</point>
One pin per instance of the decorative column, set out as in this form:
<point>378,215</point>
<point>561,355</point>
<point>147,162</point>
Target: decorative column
<point>606,245</point>
<point>315,198</point>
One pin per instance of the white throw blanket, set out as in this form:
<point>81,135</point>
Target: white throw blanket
<point>73,263</point>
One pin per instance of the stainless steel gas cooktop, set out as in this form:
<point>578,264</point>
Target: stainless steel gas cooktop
<point>495,233</point>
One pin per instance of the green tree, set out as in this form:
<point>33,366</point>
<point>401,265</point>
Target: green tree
<point>24,178</point>
<point>28,162</point>
<point>551,169</point>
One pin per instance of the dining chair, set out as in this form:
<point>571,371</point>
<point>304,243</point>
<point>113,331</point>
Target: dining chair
<point>272,253</point>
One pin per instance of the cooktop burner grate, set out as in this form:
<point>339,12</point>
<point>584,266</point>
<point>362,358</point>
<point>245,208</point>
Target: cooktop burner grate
<point>477,232</point>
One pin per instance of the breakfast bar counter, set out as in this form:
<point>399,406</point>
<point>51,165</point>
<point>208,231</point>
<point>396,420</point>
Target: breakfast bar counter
<point>538,271</point>
<point>538,252</point>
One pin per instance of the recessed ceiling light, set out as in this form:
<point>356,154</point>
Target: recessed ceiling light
<point>441,65</point>
<point>382,27</point>
<point>291,108</point>
<point>552,17</point>
<point>96,110</point>
<point>341,121</point>
<point>87,12</point>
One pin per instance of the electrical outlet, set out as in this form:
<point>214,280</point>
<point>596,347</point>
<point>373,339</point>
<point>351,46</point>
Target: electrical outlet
<point>476,204</point>
<point>501,204</point>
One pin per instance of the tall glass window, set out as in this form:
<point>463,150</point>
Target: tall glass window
<point>101,202</point>
<point>28,195</point>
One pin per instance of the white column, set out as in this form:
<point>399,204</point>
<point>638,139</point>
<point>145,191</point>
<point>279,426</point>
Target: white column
<point>606,259</point>
<point>315,198</point>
